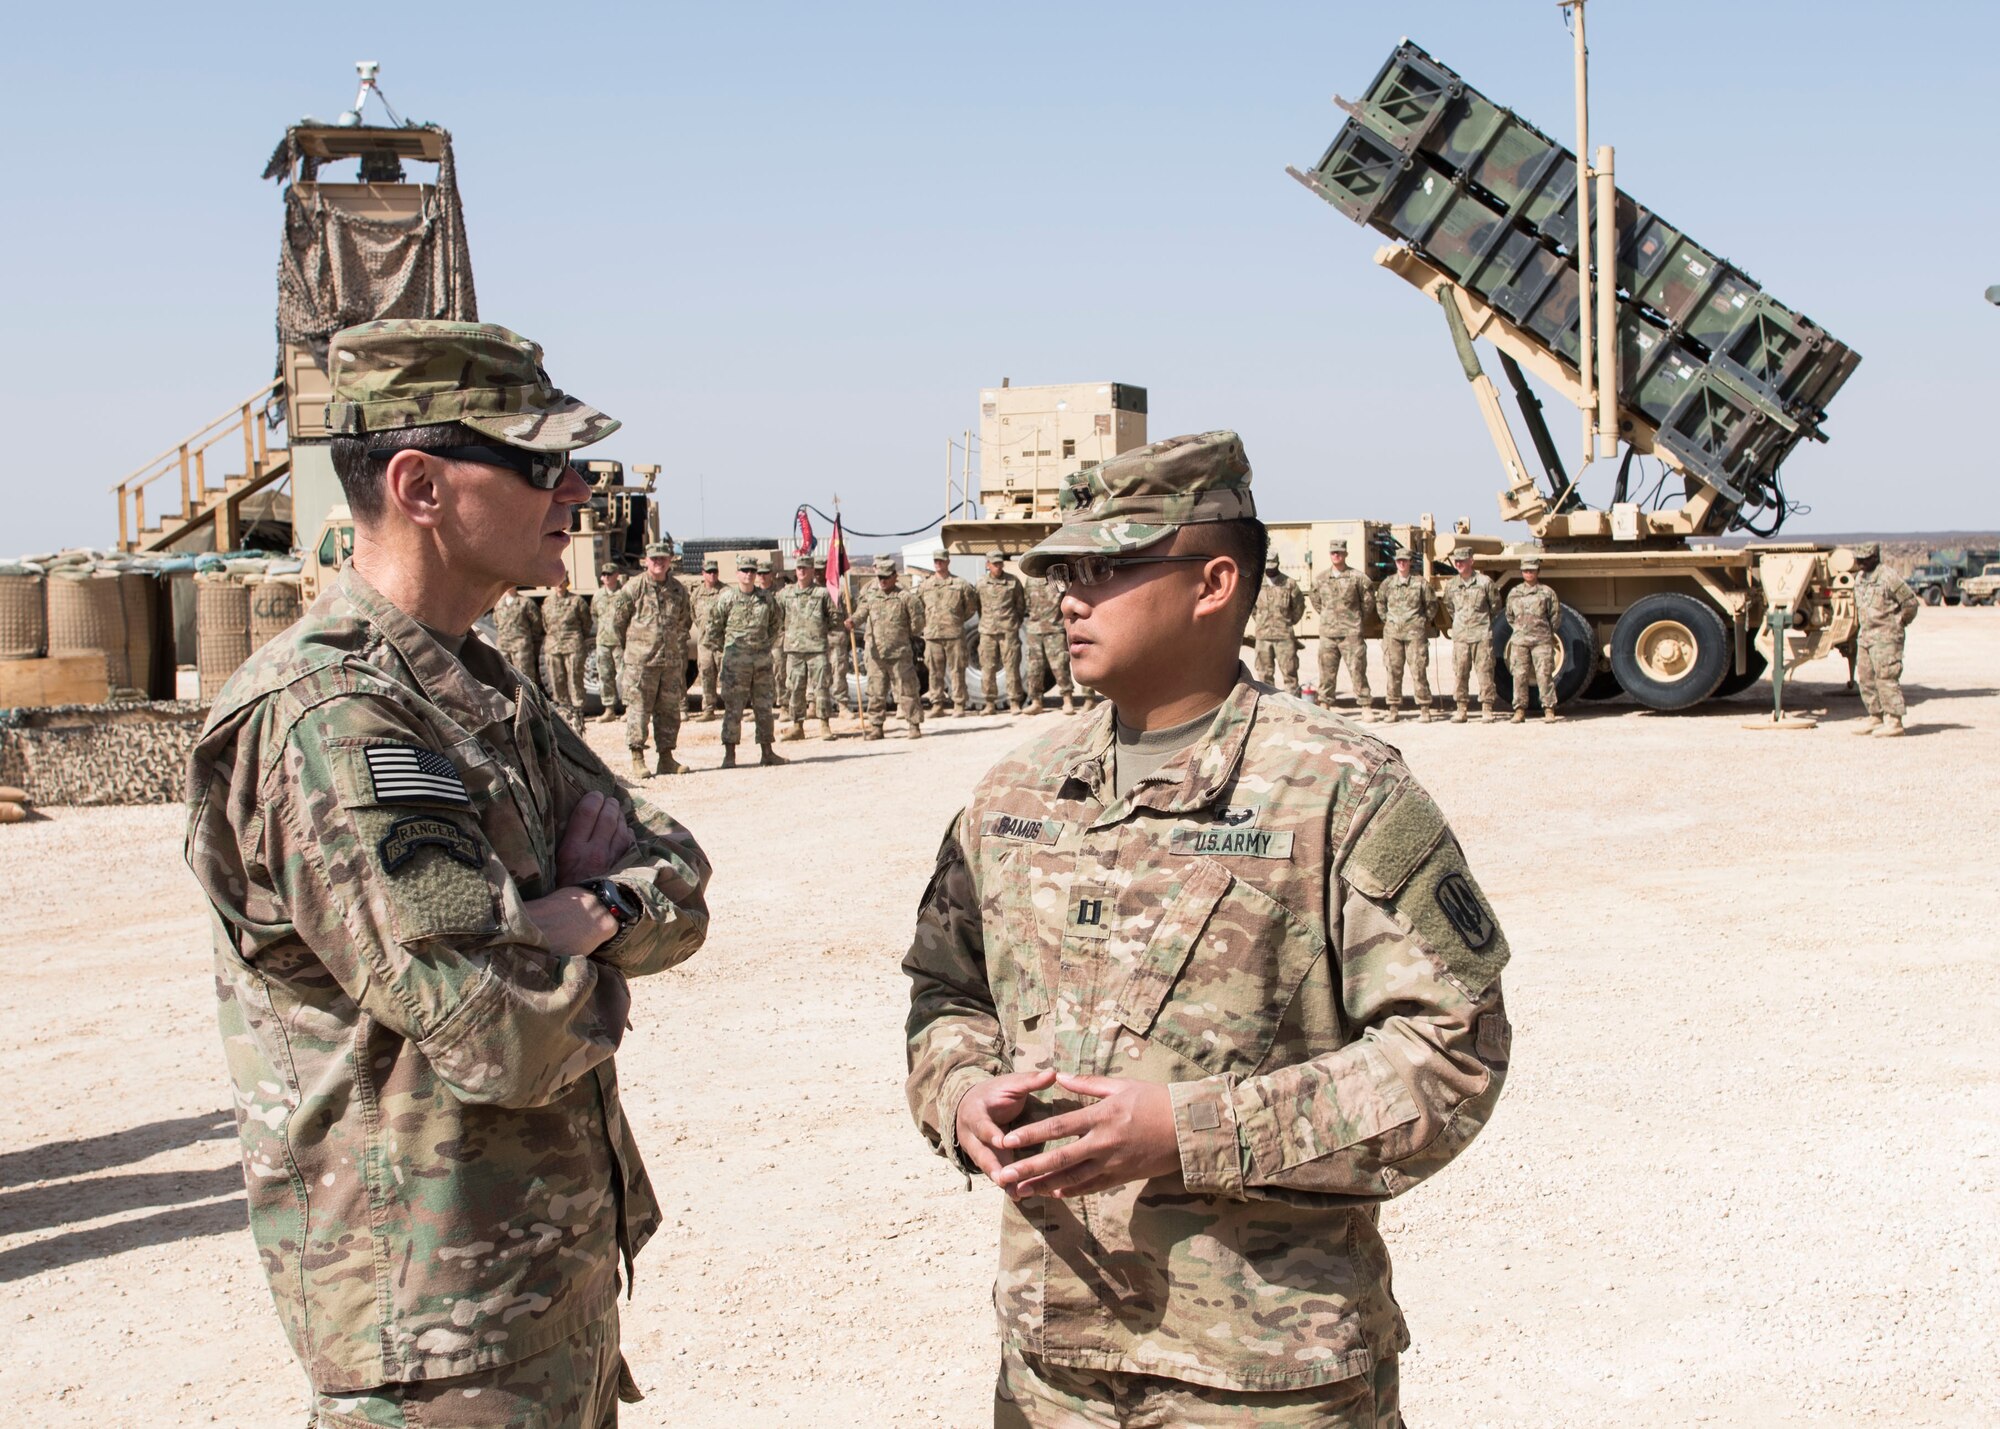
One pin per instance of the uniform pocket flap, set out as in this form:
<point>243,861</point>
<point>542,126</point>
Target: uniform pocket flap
<point>1173,939</point>
<point>1399,837</point>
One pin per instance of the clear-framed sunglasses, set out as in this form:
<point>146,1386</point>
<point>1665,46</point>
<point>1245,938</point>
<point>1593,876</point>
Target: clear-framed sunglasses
<point>1088,571</point>
<point>543,470</point>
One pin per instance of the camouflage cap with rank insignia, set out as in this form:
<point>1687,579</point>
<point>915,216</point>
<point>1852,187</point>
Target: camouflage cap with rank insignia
<point>885,565</point>
<point>1139,497</point>
<point>660,548</point>
<point>418,372</point>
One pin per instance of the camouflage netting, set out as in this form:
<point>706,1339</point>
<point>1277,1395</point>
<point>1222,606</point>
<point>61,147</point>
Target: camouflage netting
<point>100,754</point>
<point>337,268</point>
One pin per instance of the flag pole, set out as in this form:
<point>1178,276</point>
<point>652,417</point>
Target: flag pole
<point>847,616</point>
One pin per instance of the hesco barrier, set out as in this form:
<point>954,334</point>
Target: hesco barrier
<point>274,608</point>
<point>222,630</point>
<point>24,616</point>
<point>131,753</point>
<point>87,615</point>
<point>138,599</point>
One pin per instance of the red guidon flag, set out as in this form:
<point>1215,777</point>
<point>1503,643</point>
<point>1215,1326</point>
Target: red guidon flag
<point>837,564</point>
<point>806,541</point>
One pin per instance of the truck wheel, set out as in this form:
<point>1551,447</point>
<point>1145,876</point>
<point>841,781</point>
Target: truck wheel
<point>1670,651</point>
<point>1932,595</point>
<point>1735,684</point>
<point>1573,674</point>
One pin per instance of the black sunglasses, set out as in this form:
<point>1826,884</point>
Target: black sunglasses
<point>544,470</point>
<point>1096,570</point>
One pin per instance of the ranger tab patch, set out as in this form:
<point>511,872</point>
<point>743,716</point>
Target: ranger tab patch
<point>410,774</point>
<point>1231,843</point>
<point>1013,826</point>
<point>406,836</point>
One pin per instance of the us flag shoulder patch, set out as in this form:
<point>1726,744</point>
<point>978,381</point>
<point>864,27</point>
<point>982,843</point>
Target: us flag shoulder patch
<point>407,774</point>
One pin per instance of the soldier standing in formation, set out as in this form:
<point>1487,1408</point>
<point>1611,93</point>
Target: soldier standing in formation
<point>1280,607</point>
<point>741,626</point>
<point>840,656</point>
<point>809,619</point>
<point>1002,605</point>
<point>517,622</point>
<point>566,640</point>
<point>1344,599</point>
<point>767,580</point>
<point>651,621</point>
<point>1048,648</point>
<point>422,971</point>
<point>1534,615</point>
<point>705,596</point>
<point>1470,598</point>
<point>889,618</point>
<point>610,659</point>
<point>1885,605</point>
<point>949,601</point>
<point>1222,953</point>
<point>1408,609</point>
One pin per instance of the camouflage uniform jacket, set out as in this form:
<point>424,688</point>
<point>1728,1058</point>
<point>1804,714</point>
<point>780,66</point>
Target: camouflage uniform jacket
<point>440,1176</point>
<point>1279,926</point>
<point>1884,604</point>
<point>1472,603</point>
<point>702,601</point>
<point>1003,602</point>
<point>1044,609</point>
<point>743,620</point>
<point>1406,603</point>
<point>566,620</point>
<point>652,619</point>
<point>1533,612</point>
<point>889,620</point>
<point>948,603</point>
<point>604,616</point>
<point>808,615</point>
<point>1344,600</point>
<point>517,620</point>
<point>1281,604</point>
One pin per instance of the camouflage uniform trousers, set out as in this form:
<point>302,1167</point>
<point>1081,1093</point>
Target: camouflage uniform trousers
<point>655,695</point>
<point>839,660</point>
<point>807,673</point>
<point>900,670</point>
<point>746,680</point>
<point>1470,653</point>
<point>577,1383</point>
<point>1032,1394</point>
<point>708,670</point>
<point>522,656</point>
<point>1281,656</point>
<point>1414,653</point>
<point>1878,670</point>
<point>611,678</point>
<point>1000,653</point>
<point>1537,661</point>
<point>1334,647</point>
<point>566,681</point>
<point>946,660</point>
<point>1048,665</point>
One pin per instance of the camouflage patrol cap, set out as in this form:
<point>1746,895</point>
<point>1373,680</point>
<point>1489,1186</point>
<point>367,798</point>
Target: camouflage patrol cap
<point>609,569</point>
<point>660,548</point>
<point>1404,553</point>
<point>996,559</point>
<point>1463,553</point>
<point>885,565</point>
<point>1531,563</point>
<point>803,561</point>
<point>1271,561</point>
<point>712,564</point>
<point>763,566</point>
<point>1139,497</point>
<point>1866,550</point>
<point>420,372</point>
<point>1340,546</point>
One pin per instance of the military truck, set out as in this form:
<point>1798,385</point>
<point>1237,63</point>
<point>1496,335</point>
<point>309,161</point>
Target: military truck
<point>1982,588</point>
<point>1669,352</point>
<point>1940,579</point>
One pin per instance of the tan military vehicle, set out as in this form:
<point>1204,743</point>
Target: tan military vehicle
<point>1982,588</point>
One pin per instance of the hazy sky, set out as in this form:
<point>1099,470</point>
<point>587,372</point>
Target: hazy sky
<point>788,243</point>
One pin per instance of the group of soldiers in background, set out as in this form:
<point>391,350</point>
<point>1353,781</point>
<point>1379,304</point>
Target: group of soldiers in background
<point>1344,598</point>
<point>758,646</point>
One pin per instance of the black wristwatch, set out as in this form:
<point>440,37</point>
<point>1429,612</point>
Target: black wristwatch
<point>618,899</point>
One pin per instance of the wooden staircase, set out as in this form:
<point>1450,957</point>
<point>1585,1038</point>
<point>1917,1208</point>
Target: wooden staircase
<point>200,503</point>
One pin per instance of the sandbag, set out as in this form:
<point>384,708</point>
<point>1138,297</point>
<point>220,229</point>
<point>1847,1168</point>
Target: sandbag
<point>12,813</point>
<point>222,630</point>
<point>87,614</point>
<point>24,616</point>
<point>11,795</point>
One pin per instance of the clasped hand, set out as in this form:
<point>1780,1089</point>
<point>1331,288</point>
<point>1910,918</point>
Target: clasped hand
<point>574,921</point>
<point>1125,1134</point>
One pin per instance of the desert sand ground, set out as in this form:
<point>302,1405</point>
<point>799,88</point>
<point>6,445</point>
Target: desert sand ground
<point>1747,1169</point>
